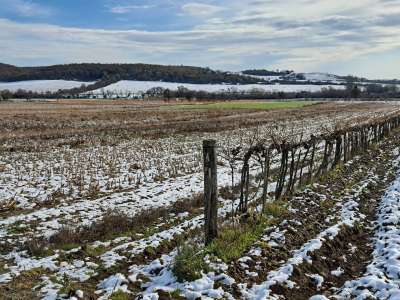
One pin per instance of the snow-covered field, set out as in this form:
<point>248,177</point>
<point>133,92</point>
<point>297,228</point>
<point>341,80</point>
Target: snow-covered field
<point>127,86</point>
<point>318,77</point>
<point>41,86</point>
<point>219,282</point>
<point>45,192</point>
<point>29,179</point>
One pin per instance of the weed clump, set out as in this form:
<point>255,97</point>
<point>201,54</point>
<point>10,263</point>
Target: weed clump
<point>120,295</point>
<point>37,247</point>
<point>116,223</point>
<point>275,208</point>
<point>93,251</point>
<point>232,242</point>
<point>189,263</point>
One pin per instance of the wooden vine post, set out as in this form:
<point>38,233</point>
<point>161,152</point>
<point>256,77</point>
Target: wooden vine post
<point>267,163</point>
<point>210,190</point>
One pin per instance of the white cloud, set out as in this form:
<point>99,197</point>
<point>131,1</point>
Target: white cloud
<point>27,8</point>
<point>201,9</point>
<point>124,9</point>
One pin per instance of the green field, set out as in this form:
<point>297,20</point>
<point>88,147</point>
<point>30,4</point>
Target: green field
<point>262,105</point>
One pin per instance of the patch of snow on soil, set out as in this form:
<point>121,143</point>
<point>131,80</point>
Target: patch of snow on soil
<point>349,215</point>
<point>161,277</point>
<point>113,284</point>
<point>339,271</point>
<point>23,263</point>
<point>317,279</point>
<point>382,278</point>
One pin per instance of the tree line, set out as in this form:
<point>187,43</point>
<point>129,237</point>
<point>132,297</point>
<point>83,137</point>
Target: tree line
<point>353,91</point>
<point>263,72</point>
<point>116,72</point>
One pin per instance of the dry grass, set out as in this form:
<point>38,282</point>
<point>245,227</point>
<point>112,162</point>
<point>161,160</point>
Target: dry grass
<point>116,223</point>
<point>21,288</point>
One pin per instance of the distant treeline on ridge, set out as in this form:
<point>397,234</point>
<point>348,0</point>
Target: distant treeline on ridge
<point>115,72</point>
<point>262,72</point>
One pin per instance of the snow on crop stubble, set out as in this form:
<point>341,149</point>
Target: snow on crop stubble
<point>42,192</point>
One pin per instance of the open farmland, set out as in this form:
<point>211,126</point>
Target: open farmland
<point>264,105</point>
<point>103,200</point>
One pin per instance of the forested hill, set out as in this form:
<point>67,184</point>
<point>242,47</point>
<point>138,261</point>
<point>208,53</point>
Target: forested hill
<point>262,72</point>
<point>114,72</point>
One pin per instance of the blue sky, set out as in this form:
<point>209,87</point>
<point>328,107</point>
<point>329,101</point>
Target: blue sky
<point>360,37</point>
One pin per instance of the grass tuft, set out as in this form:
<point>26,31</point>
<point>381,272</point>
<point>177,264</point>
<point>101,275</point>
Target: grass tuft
<point>94,251</point>
<point>120,295</point>
<point>189,263</point>
<point>275,208</point>
<point>232,242</point>
<point>37,247</point>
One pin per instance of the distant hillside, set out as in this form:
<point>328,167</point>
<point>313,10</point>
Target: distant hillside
<point>350,78</point>
<point>115,72</point>
<point>262,72</point>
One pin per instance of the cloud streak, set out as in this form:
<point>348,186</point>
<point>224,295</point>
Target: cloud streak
<point>124,9</point>
<point>27,8</point>
<point>201,9</point>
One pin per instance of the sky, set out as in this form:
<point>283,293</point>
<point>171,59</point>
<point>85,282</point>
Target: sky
<point>359,37</point>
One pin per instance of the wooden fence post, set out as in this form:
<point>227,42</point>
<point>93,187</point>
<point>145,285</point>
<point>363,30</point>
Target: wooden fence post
<point>210,190</point>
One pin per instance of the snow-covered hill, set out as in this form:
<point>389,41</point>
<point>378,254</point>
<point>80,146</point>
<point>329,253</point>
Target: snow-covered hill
<point>314,77</point>
<point>321,77</point>
<point>41,86</point>
<point>125,87</point>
